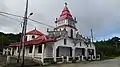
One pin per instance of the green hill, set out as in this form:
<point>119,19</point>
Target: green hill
<point>109,48</point>
<point>6,39</point>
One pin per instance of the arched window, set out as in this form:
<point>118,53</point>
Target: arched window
<point>60,29</point>
<point>65,41</point>
<point>25,38</point>
<point>64,29</point>
<point>40,49</point>
<point>30,49</point>
<point>80,43</point>
<point>71,33</point>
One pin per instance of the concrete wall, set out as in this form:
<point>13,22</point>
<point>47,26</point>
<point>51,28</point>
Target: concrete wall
<point>69,32</point>
<point>48,51</point>
<point>15,51</point>
<point>36,54</point>
<point>68,29</point>
<point>64,51</point>
<point>29,37</point>
<point>63,22</point>
<point>36,51</point>
<point>69,43</point>
<point>61,43</point>
<point>27,52</point>
<point>83,45</point>
<point>78,52</point>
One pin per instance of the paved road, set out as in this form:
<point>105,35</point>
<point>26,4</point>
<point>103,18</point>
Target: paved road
<point>2,60</point>
<point>105,63</point>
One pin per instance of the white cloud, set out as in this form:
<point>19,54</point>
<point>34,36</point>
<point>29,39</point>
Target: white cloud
<point>100,15</point>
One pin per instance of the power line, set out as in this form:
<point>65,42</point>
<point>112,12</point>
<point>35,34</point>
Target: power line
<point>41,23</point>
<point>28,19</point>
<point>11,14</point>
<point>10,17</point>
<point>20,24</point>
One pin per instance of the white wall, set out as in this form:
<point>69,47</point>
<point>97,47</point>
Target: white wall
<point>27,51</point>
<point>64,51</point>
<point>29,37</point>
<point>78,52</point>
<point>15,51</point>
<point>36,51</point>
<point>69,31</point>
<point>63,22</point>
<point>61,43</point>
<point>83,45</point>
<point>48,50</point>
<point>92,46</point>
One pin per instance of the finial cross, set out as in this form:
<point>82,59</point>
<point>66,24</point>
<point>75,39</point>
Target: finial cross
<point>65,4</point>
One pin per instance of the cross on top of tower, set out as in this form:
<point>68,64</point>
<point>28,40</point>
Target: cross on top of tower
<point>65,4</point>
<point>65,13</point>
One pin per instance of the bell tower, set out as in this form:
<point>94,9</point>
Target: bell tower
<point>66,21</point>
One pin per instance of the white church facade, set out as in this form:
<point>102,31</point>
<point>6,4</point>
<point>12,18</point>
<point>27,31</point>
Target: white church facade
<point>62,42</point>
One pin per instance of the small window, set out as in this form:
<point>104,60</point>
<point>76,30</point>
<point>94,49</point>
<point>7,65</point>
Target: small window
<point>71,33</point>
<point>30,49</point>
<point>87,45</point>
<point>18,49</point>
<point>25,38</point>
<point>80,43</point>
<point>74,44</point>
<point>40,49</point>
<point>65,42</point>
<point>33,36</point>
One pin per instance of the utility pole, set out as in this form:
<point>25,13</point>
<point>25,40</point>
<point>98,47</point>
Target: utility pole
<point>19,50</point>
<point>24,32</point>
<point>91,35</point>
<point>23,35</point>
<point>2,42</point>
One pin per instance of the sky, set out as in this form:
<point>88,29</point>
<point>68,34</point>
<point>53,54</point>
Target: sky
<point>103,16</point>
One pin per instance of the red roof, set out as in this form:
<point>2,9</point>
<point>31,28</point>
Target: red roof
<point>33,42</point>
<point>34,32</point>
<point>38,41</point>
<point>65,14</point>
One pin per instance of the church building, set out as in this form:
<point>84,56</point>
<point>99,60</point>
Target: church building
<point>62,41</point>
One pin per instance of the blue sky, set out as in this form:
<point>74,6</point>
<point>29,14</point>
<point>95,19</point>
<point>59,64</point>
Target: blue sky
<point>103,16</point>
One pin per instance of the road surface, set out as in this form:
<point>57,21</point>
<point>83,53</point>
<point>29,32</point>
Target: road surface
<point>105,63</point>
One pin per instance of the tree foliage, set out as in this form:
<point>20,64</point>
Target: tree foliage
<point>6,39</point>
<point>110,47</point>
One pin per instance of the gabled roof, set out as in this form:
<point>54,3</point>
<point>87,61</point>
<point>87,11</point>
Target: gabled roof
<point>42,38</point>
<point>34,42</point>
<point>34,32</point>
<point>65,13</point>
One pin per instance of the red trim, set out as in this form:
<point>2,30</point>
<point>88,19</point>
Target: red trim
<point>34,42</point>
<point>65,14</point>
<point>34,32</point>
